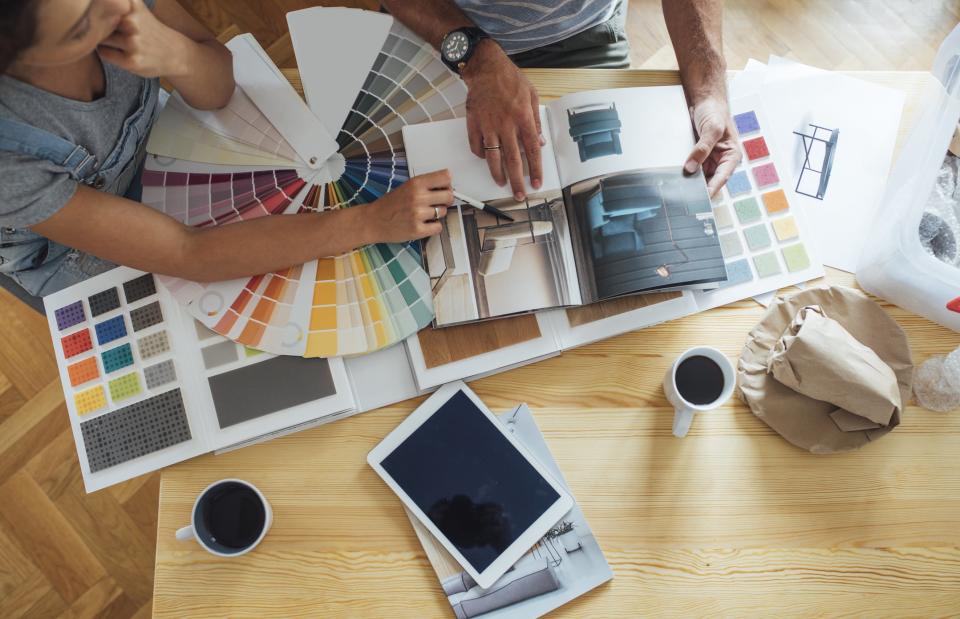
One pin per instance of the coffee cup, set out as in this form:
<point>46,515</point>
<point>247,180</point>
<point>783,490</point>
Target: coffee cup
<point>700,379</point>
<point>229,518</point>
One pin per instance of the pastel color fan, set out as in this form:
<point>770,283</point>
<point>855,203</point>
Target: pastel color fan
<point>268,153</point>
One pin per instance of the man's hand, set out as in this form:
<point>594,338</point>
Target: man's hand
<point>503,110</point>
<point>411,211</point>
<point>717,149</point>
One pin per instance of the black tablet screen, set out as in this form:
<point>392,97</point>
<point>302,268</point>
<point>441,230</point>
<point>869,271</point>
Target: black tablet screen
<point>470,481</point>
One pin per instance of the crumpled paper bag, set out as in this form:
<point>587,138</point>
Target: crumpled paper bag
<point>800,419</point>
<point>818,358</point>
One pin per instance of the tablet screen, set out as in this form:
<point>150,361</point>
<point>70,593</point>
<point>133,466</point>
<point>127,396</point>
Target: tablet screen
<point>470,481</point>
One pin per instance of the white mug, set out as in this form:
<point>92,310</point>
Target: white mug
<point>684,410</point>
<point>197,529</point>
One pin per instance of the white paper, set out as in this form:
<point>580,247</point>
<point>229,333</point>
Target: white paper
<point>868,118</point>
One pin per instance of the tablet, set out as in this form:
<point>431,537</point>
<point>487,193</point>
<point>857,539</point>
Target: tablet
<point>470,483</point>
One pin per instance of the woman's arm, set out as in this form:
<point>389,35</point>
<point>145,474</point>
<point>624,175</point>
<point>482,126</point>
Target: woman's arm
<point>167,42</point>
<point>135,235</point>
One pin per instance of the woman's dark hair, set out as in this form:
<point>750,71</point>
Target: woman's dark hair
<point>18,26</point>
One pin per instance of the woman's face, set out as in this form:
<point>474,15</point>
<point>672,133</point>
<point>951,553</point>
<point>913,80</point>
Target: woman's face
<point>68,30</point>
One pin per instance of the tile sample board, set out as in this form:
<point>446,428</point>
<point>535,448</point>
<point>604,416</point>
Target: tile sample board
<point>146,385</point>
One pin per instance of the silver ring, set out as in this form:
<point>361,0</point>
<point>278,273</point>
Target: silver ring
<point>436,210</point>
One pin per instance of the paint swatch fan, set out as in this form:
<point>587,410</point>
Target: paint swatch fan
<point>267,153</point>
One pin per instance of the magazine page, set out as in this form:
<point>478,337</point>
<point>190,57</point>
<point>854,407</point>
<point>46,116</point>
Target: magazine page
<point>638,222</point>
<point>564,565</point>
<point>482,265</point>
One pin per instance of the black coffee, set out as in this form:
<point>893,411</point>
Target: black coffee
<point>232,516</point>
<point>699,380</point>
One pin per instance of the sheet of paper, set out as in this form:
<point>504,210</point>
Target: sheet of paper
<point>866,117</point>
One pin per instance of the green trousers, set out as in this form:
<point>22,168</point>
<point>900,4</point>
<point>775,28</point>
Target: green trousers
<point>605,46</point>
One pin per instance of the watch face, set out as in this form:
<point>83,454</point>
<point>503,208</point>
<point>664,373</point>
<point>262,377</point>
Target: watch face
<point>455,46</point>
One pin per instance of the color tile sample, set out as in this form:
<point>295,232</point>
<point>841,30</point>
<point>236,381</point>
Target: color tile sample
<point>730,245</point>
<point>153,345</point>
<point>775,201</point>
<point>83,371</point>
<point>251,352</point>
<point>747,122</point>
<point>738,272</point>
<point>160,374</point>
<point>766,175</point>
<point>76,343</point>
<point>766,264</point>
<point>136,430</point>
<point>69,315</point>
<point>721,215</point>
<point>146,316</point>
<point>219,354</point>
<point>756,148</point>
<point>139,288</point>
<point>124,387</point>
<point>748,211</point>
<point>90,400</point>
<point>785,228</point>
<point>110,330</point>
<point>796,257</point>
<point>117,358</point>
<point>738,183</point>
<point>104,302</point>
<point>757,237</point>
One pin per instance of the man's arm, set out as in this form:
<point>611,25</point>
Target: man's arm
<point>503,108</point>
<point>695,28</point>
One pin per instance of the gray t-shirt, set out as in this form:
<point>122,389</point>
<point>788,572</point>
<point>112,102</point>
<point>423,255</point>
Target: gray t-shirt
<point>31,190</point>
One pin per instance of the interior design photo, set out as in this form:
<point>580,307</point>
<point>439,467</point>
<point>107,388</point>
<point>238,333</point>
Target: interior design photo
<point>596,130</point>
<point>482,265</point>
<point>644,229</point>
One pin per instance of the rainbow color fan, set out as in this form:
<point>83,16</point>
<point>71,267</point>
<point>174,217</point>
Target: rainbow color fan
<point>268,153</point>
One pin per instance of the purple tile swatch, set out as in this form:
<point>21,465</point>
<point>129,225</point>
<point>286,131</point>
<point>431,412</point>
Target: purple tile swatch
<point>69,315</point>
<point>747,122</point>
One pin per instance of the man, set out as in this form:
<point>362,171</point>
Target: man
<point>487,40</point>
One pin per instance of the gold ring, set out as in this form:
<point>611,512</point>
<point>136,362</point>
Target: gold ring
<point>491,148</point>
<point>436,210</point>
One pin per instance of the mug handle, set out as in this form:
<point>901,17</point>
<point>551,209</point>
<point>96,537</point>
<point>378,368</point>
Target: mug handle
<point>681,421</point>
<point>185,533</point>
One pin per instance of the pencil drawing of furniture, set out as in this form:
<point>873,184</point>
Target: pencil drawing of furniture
<point>596,130</point>
<point>819,151</point>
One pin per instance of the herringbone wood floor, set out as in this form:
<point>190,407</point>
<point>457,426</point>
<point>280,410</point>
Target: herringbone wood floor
<point>63,552</point>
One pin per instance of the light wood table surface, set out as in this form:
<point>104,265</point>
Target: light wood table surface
<point>731,520</point>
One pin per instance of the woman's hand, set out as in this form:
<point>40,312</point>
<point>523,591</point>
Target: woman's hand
<point>143,45</point>
<point>410,212</point>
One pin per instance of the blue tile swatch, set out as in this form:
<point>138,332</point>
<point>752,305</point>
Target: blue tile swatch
<point>739,183</point>
<point>110,330</point>
<point>117,358</point>
<point>737,273</point>
<point>747,122</point>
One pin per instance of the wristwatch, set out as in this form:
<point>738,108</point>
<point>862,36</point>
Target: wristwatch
<point>458,46</point>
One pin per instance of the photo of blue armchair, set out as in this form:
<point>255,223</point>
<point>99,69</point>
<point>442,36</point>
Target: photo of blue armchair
<point>614,210</point>
<point>596,130</point>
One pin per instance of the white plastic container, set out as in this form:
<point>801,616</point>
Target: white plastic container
<point>894,264</point>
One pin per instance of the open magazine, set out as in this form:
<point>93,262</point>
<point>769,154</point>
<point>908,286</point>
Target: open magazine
<point>616,215</point>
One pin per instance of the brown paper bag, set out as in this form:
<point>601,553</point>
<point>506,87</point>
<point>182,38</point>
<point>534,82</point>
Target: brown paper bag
<point>818,358</point>
<point>802,420</point>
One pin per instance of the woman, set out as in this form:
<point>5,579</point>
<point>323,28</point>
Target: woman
<point>78,95</point>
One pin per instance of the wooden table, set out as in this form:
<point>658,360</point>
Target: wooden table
<point>731,520</point>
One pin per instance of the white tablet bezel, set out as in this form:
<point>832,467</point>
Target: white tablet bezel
<point>525,541</point>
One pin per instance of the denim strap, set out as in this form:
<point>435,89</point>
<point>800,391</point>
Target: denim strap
<point>21,138</point>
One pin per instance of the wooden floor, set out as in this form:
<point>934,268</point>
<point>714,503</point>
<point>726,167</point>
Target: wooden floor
<point>66,553</point>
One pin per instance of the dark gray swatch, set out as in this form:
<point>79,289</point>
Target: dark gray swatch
<point>136,430</point>
<point>139,288</point>
<point>269,386</point>
<point>146,316</point>
<point>104,302</point>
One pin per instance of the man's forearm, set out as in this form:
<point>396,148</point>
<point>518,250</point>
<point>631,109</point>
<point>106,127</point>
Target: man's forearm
<point>696,28</point>
<point>431,19</point>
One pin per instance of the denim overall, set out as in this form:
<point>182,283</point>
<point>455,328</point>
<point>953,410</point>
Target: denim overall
<point>42,266</point>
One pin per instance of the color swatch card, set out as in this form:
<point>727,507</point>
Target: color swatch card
<point>766,243</point>
<point>147,386</point>
<point>250,160</point>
